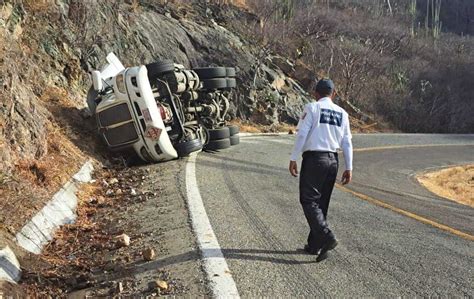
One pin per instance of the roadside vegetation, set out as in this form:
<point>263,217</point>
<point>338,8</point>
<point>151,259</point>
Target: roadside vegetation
<point>409,62</point>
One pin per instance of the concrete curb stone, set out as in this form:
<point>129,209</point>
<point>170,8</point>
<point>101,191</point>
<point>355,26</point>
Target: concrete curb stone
<point>40,229</point>
<point>9,266</point>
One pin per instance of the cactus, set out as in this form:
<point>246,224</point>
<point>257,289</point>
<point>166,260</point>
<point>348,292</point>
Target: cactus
<point>285,9</point>
<point>433,7</point>
<point>436,10</point>
<point>412,12</point>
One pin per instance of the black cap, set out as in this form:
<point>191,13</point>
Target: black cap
<point>324,86</point>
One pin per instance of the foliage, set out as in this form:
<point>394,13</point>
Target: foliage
<point>382,59</point>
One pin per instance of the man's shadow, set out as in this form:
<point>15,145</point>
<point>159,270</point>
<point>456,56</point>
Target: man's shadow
<point>271,256</point>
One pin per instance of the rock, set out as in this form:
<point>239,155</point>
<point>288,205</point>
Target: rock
<point>109,192</point>
<point>148,254</point>
<point>113,181</point>
<point>123,240</point>
<point>159,284</point>
<point>290,132</point>
<point>163,285</point>
<point>120,287</point>
<point>104,184</point>
<point>283,64</point>
<point>133,192</point>
<point>118,191</point>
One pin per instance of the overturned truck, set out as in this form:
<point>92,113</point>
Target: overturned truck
<point>162,110</point>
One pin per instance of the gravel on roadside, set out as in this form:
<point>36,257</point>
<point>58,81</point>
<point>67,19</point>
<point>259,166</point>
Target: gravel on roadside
<point>132,237</point>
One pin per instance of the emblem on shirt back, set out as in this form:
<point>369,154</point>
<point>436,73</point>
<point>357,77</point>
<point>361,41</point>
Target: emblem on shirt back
<point>330,117</point>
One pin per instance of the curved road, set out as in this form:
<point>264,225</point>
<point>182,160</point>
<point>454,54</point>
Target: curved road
<point>252,204</point>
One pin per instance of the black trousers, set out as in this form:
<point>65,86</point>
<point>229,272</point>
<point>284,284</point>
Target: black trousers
<point>317,179</point>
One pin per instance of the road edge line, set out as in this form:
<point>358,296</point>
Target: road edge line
<point>219,276</point>
<point>408,214</point>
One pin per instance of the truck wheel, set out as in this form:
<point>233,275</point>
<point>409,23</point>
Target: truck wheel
<point>230,72</point>
<point>234,140</point>
<point>218,83</point>
<point>233,130</point>
<point>215,145</point>
<point>211,72</point>
<point>187,147</point>
<point>231,83</point>
<point>221,133</point>
<point>158,68</point>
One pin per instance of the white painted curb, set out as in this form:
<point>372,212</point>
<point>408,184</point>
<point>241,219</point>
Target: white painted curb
<point>9,266</point>
<point>221,282</point>
<point>59,211</point>
<point>40,229</point>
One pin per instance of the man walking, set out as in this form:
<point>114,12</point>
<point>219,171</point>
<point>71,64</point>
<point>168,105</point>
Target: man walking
<point>323,129</point>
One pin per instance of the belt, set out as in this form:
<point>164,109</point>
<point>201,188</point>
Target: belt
<point>319,154</point>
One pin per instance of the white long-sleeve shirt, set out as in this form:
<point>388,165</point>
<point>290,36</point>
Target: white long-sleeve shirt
<point>324,126</point>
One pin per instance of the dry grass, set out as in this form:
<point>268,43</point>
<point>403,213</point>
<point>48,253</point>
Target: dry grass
<point>455,183</point>
<point>35,180</point>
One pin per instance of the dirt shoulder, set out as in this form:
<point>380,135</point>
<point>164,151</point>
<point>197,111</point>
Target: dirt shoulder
<point>148,205</point>
<point>455,183</point>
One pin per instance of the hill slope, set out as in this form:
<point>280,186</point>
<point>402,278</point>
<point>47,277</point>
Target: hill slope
<point>391,58</point>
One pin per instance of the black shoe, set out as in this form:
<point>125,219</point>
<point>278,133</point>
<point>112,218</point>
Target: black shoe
<point>310,250</point>
<point>330,245</point>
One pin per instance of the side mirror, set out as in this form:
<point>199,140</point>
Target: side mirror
<point>97,81</point>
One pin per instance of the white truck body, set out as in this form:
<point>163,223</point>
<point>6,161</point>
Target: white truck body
<point>142,127</point>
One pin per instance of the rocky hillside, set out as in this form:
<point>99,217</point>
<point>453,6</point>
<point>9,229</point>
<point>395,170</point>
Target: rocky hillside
<point>48,47</point>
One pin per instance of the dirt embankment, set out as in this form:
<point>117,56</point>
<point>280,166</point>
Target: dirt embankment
<point>455,183</point>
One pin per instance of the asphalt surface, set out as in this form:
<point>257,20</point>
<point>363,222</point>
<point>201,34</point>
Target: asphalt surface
<point>252,203</point>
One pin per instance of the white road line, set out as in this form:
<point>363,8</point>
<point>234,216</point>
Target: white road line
<point>221,282</point>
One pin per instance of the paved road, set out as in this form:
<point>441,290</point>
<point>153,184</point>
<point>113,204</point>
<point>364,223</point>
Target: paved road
<point>252,204</point>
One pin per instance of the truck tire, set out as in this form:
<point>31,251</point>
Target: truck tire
<point>233,130</point>
<point>211,72</point>
<point>230,72</point>
<point>234,140</point>
<point>158,68</point>
<point>187,147</point>
<point>231,83</point>
<point>220,133</point>
<point>217,83</point>
<point>215,145</point>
